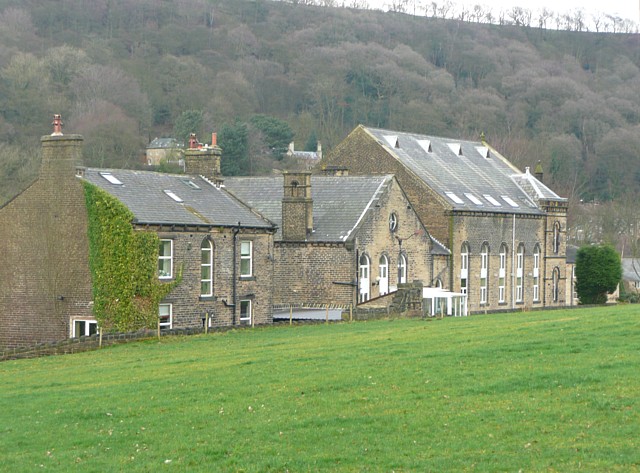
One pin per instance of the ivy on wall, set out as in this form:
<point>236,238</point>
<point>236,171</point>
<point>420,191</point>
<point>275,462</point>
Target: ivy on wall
<point>124,266</point>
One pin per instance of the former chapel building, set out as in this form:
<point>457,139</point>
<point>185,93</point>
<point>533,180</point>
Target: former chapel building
<point>504,227</point>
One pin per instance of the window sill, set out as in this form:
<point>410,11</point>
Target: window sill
<point>207,298</point>
<point>247,278</point>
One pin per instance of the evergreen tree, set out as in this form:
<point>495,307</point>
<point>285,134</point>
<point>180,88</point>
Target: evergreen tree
<point>234,141</point>
<point>598,272</point>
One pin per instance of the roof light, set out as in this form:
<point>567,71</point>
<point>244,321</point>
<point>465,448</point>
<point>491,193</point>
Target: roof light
<point>456,148</point>
<point>454,197</point>
<point>425,145</point>
<point>473,198</point>
<point>173,196</point>
<point>484,151</point>
<point>509,201</point>
<point>111,178</point>
<point>191,184</point>
<point>392,140</point>
<point>492,200</point>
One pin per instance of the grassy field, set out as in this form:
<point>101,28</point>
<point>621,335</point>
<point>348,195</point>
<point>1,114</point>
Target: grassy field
<point>538,391</point>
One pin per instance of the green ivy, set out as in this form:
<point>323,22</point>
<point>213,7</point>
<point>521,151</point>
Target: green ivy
<point>124,266</point>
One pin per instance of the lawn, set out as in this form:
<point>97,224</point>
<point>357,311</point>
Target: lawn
<point>537,391</point>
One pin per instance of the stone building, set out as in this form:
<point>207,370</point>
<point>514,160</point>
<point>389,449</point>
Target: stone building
<point>342,240</point>
<point>505,228</point>
<point>219,246</point>
<point>44,270</point>
<point>222,249</point>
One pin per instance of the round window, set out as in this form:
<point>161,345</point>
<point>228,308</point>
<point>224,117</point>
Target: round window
<point>393,222</point>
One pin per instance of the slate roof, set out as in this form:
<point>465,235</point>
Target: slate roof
<point>339,203</point>
<point>159,143</point>
<point>469,175</point>
<point>202,203</point>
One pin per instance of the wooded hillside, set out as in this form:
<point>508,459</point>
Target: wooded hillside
<point>123,72</point>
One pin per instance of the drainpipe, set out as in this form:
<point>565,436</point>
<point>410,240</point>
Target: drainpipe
<point>235,269</point>
<point>513,263</point>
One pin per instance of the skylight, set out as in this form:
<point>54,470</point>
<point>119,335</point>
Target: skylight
<point>191,184</point>
<point>509,201</point>
<point>392,140</point>
<point>492,200</point>
<point>173,196</point>
<point>425,145</point>
<point>473,198</point>
<point>456,148</point>
<point>111,178</point>
<point>483,150</point>
<point>454,197</point>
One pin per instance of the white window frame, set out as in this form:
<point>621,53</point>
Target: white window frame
<point>163,258</point>
<point>364,277</point>
<point>248,313</point>
<point>383,274</point>
<point>88,323</point>
<point>402,269</point>
<point>502,274</point>
<point>246,258</point>
<point>484,265</point>
<point>520,274</point>
<point>165,325</point>
<point>464,269</point>
<point>536,273</point>
<point>206,266</point>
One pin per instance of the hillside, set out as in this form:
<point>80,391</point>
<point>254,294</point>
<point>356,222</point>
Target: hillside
<point>122,73</point>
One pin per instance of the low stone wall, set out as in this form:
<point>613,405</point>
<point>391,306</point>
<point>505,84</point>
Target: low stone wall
<point>77,345</point>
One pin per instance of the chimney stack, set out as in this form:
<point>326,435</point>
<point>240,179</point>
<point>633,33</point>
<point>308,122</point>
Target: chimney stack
<point>538,173</point>
<point>297,206</point>
<point>203,160</point>
<point>61,154</point>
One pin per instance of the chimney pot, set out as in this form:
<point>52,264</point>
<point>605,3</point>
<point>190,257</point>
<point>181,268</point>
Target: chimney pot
<point>214,139</point>
<point>57,125</point>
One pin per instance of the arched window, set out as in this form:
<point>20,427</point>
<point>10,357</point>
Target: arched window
<point>464,268</point>
<point>364,272</point>
<point>484,269</point>
<point>536,273</point>
<point>502,273</point>
<point>556,284</point>
<point>383,274</point>
<point>556,238</point>
<point>520,273</point>
<point>438,283</point>
<point>402,269</point>
<point>206,268</point>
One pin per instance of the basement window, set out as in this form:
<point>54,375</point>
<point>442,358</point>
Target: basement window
<point>111,178</point>
<point>173,195</point>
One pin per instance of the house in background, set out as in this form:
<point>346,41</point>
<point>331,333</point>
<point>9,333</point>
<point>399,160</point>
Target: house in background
<point>164,150</point>
<point>505,228</point>
<point>310,158</point>
<point>342,240</point>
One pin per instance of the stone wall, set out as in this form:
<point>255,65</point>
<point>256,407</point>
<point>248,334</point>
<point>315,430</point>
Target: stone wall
<point>190,307</point>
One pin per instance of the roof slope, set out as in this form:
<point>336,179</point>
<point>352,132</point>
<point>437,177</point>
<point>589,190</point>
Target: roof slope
<point>197,202</point>
<point>468,175</point>
<point>339,203</point>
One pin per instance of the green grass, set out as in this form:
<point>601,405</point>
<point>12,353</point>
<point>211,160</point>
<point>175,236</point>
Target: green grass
<point>539,391</point>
